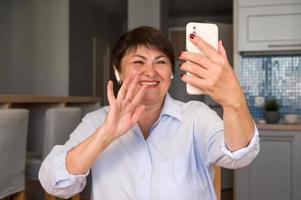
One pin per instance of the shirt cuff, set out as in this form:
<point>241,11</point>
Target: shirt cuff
<point>243,151</point>
<point>63,178</point>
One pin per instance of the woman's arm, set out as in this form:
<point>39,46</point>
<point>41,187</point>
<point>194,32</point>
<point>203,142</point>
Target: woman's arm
<point>239,126</point>
<point>64,170</point>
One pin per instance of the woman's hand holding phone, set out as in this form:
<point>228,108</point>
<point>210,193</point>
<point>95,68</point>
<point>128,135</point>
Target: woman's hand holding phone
<point>211,72</point>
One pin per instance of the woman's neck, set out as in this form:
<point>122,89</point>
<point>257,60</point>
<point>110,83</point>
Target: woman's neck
<point>149,117</point>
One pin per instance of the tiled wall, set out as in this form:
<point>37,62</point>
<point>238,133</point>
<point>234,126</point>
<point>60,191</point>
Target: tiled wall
<point>272,77</point>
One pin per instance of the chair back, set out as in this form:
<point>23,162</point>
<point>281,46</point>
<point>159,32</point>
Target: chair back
<point>59,123</point>
<point>13,137</point>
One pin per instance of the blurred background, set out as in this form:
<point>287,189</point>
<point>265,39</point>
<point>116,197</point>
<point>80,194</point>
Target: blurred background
<point>51,48</point>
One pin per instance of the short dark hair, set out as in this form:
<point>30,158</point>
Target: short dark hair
<point>142,36</point>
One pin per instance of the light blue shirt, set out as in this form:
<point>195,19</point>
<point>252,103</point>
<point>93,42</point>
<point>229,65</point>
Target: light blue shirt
<point>174,162</point>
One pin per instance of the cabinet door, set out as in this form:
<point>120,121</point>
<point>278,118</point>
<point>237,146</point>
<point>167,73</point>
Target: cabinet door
<point>267,2</point>
<point>270,28</point>
<point>274,174</point>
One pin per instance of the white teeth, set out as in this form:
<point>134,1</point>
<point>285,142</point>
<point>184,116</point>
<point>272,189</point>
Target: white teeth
<point>150,83</point>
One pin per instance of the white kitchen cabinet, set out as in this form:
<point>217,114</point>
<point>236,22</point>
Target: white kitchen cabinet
<point>267,2</point>
<point>269,28</point>
<point>275,173</point>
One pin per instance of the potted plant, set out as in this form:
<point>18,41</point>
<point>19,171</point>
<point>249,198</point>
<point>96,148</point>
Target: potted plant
<point>271,114</point>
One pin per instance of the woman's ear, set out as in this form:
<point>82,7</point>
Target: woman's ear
<point>116,73</point>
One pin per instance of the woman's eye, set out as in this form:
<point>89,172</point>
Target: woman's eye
<point>161,62</point>
<point>138,62</point>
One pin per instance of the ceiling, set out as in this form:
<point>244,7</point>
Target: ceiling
<point>177,8</point>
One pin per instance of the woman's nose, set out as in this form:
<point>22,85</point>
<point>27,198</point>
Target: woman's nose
<point>150,70</point>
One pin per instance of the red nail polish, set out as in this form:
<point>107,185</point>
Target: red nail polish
<point>181,75</point>
<point>180,65</point>
<point>222,42</point>
<point>192,36</point>
<point>179,55</point>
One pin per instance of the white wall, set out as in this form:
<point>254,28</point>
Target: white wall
<point>34,48</point>
<point>144,12</point>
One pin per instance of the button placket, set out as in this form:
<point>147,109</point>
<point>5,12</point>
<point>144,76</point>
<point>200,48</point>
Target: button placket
<point>144,176</point>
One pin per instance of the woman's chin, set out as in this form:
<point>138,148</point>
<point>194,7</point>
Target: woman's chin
<point>150,97</point>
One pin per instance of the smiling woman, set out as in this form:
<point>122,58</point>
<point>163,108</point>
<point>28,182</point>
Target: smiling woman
<point>145,144</point>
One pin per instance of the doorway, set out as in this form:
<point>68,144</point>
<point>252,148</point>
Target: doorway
<point>101,68</point>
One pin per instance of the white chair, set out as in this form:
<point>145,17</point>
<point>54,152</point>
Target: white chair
<point>13,137</point>
<point>59,123</point>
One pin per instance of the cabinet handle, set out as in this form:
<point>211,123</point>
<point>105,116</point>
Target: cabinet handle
<point>283,45</point>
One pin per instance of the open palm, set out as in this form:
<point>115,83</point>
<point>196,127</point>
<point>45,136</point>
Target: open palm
<point>125,109</point>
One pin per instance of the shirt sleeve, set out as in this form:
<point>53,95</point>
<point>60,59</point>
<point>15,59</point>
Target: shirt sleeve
<point>210,135</point>
<point>54,176</point>
<point>243,151</point>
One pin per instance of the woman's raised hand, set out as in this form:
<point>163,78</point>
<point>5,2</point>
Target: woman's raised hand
<point>125,109</point>
<point>212,73</point>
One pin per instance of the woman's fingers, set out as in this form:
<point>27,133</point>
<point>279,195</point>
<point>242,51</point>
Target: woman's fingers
<point>222,50</point>
<point>124,88</point>
<point>198,59</point>
<point>129,97</point>
<point>195,81</point>
<point>195,58</point>
<point>126,109</point>
<point>194,69</point>
<point>110,120</point>
<point>132,88</point>
<point>137,114</point>
<point>208,50</point>
<point>211,54</point>
<point>110,93</point>
<point>139,96</point>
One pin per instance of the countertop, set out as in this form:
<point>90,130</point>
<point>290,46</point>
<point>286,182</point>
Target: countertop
<point>286,127</point>
<point>11,101</point>
<point>47,99</point>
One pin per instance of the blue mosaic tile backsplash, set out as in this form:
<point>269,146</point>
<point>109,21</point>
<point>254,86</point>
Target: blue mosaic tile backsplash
<point>276,77</point>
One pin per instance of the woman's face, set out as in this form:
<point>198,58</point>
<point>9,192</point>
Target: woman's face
<point>153,68</point>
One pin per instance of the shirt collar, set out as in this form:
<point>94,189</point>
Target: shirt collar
<point>171,108</point>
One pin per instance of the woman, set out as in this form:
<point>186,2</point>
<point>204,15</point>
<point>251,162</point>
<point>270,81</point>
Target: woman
<point>146,145</point>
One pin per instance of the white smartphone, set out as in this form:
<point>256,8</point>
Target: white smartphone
<point>209,33</point>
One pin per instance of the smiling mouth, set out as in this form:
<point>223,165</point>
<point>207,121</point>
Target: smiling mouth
<point>150,84</point>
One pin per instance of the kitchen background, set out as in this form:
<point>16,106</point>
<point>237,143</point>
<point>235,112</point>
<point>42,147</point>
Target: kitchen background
<point>62,48</point>
<point>277,77</point>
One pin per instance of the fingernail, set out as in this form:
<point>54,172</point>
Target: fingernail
<point>181,75</point>
<point>179,55</point>
<point>192,36</point>
<point>222,42</point>
<point>180,65</point>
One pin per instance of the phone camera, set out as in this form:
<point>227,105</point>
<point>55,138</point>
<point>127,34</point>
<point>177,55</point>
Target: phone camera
<point>194,27</point>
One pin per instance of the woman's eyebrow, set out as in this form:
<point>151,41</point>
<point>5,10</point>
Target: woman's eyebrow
<point>145,58</point>
<point>161,56</point>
